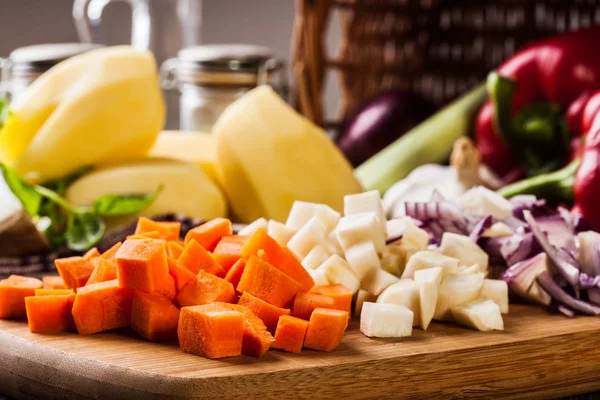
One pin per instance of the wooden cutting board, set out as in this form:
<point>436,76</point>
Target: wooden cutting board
<point>539,355</point>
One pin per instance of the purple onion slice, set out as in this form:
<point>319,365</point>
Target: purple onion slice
<point>547,283</point>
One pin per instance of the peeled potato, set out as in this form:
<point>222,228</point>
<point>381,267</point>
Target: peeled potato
<point>187,189</point>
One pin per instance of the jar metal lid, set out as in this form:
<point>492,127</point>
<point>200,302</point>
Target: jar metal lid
<point>39,58</point>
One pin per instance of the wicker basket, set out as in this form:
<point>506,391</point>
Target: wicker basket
<point>438,48</point>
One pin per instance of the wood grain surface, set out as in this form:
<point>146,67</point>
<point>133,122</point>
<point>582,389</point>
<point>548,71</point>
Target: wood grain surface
<point>538,356</point>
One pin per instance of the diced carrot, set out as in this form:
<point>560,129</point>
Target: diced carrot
<point>153,316</point>
<point>235,273</point>
<point>166,230</point>
<point>142,264</point>
<point>91,253</point>
<point>53,282</point>
<point>257,339</point>
<point>101,307</point>
<point>181,275</point>
<point>262,255</point>
<point>145,235</point>
<point>104,271</point>
<point>279,257</point>
<point>341,295</point>
<point>268,313</point>
<point>174,249</point>
<point>205,289</point>
<point>13,291</point>
<point>109,255</point>
<point>326,329</point>
<point>290,333</point>
<point>196,258</point>
<point>52,292</point>
<point>305,304</point>
<point>229,250</point>
<point>210,233</point>
<point>50,313</point>
<point>211,330</point>
<point>166,287</point>
<point>262,280</point>
<point>75,271</point>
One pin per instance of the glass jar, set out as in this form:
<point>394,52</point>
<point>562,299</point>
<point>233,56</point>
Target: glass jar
<point>211,77</point>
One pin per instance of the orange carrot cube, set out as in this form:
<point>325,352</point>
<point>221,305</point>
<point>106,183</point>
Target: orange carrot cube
<point>174,249</point>
<point>50,313</point>
<point>205,289</point>
<point>210,233</point>
<point>145,235</point>
<point>52,292</point>
<point>229,250</point>
<point>53,282</point>
<point>326,329</point>
<point>75,271</point>
<point>13,291</point>
<point>153,316</point>
<point>109,255</point>
<point>341,295</point>
<point>165,230</point>
<point>142,264</point>
<point>264,281</point>
<point>104,271</point>
<point>305,304</point>
<point>257,340</point>
<point>268,313</point>
<point>290,333</point>
<point>91,253</point>
<point>211,330</point>
<point>181,275</point>
<point>196,258</point>
<point>102,307</point>
<point>235,273</point>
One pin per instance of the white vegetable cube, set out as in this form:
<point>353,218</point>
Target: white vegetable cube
<point>428,259</point>
<point>464,270</point>
<point>386,320</point>
<point>317,256</point>
<point>465,250</point>
<point>483,201</point>
<point>499,229</point>
<point>354,229</point>
<point>249,230</point>
<point>333,245</point>
<point>428,295</point>
<point>483,315</point>
<point>303,211</point>
<point>410,232</point>
<point>319,277</point>
<point>538,295</point>
<point>280,232</point>
<point>496,290</point>
<point>310,235</point>
<point>377,281</point>
<point>434,274</point>
<point>587,241</point>
<point>366,202</point>
<point>337,271</point>
<point>363,259</point>
<point>404,251</point>
<point>456,290</point>
<point>392,263</point>
<point>405,293</point>
<point>362,297</point>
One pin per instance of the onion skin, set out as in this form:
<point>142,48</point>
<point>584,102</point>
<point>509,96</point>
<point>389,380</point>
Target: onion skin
<point>379,122</point>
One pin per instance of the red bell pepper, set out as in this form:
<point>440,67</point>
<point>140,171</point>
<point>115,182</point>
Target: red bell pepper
<point>552,83</point>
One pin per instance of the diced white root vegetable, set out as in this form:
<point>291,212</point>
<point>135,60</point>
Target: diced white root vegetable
<point>403,249</point>
<point>587,241</point>
<point>428,259</point>
<point>319,277</point>
<point>483,201</point>
<point>363,259</point>
<point>428,295</point>
<point>310,235</point>
<point>337,271</point>
<point>405,293</point>
<point>303,211</point>
<point>483,315</point>
<point>464,270</point>
<point>377,281</point>
<point>539,295</point>
<point>465,250</point>
<point>317,256</point>
<point>496,290</point>
<point>386,320</point>
<point>362,297</point>
<point>249,230</point>
<point>456,290</point>
<point>499,229</point>
<point>366,202</point>
<point>416,236</point>
<point>333,245</point>
<point>280,232</point>
<point>392,263</point>
<point>354,229</point>
<point>434,274</point>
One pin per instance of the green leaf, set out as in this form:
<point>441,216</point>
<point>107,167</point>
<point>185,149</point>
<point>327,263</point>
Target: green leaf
<point>25,192</point>
<point>60,185</point>
<point>83,230</point>
<point>4,112</point>
<point>112,205</point>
